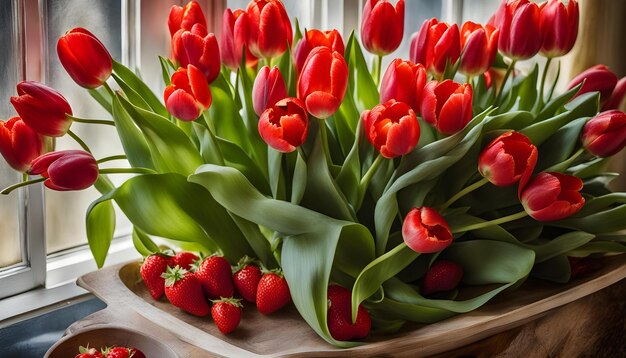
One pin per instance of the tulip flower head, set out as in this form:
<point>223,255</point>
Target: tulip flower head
<point>323,82</point>
<point>42,108</point>
<point>314,38</point>
<point>597,78</point>
<point>617,96</point>
<point>520,29</point>
<point>392,128</point>
<point>197,47</point>
<point>404,82</point>
<point>382,26</point>
<point>559,27</point>
<point>233,39</point>
<point>425,231</point>
<point>19,144</point>
<point>269,88</point>
<point>479,45</point>
<point>447,105</point>
<point>84,58</point>
<point>188,95</point>
<point>185,17</point>
<point>285,125</point>
<point>436,45</point>
<point>605,134</point>
<point>508,159</point>
<point>66,170</point>
<point>269,29</point>
<point>552,196</point>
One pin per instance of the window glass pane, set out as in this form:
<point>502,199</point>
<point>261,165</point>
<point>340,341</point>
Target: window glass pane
<point>9,76</point>
<point>479,10</point>
<point>65,211</point>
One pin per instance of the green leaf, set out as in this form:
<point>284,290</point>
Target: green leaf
<point>560,245</point>
<point>350,175</point>
<point>595,247</point>
<point>143,244</point>
<point>100,227</point>
<point>300,175</point>
<point>556,269</point>
<point>166,67</point>
<point>277,181</point>
<point>557,103</point>
<point>133,141</point>
<point>362,84</point>
<point>224,113</point>
<point>133,81</point>
<point>606,221</point>
<point>102,97</point>
<point>561,145</point>
<point>132,96</point>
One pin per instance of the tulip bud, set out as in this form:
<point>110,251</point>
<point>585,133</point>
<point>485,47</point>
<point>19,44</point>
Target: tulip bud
<point>404,82</point>
<point>382,26</point>
<point>552,196</point>
<point>197,48</point>
<point>479,48</point>
<point>269,28</point>
<point>559,27</point>
<point>447,105</point>
<point>285,125</point>
<point>84,58</point>
<point>269,88</point>
<point>233,39</point>
<point>605,134</point>
<point>314,38</point>
<point>508,159</point>
<point>42,108</point>
<point>597,78</point>
<point>436,45</point>
<point>323,82</point>
<point>425,231</point>
<point>520,29</point>
<point>19,144</point>
<point>188,95</point>
<point>185,17</point>
<point>392,128</point>
<point>617,96</point>
<point>66,170</point>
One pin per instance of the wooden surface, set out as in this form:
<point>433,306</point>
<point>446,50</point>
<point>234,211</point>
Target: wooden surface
<point>285,334</point>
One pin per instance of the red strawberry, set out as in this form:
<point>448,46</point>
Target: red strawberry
<point>272,292</point>
<point>246,279</point>
<point>442,276</point>
<point>226,313</point>
<point>117,352</point>
<point>340,316</point>
<point>86,352</point>
<point>152,268</point>
<point>580,266</point>
<point>215,277</point>
<point>184,291</point>
<point>184,259</point>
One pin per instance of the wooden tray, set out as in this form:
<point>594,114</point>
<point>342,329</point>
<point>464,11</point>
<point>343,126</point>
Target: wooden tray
<point>284,333</point>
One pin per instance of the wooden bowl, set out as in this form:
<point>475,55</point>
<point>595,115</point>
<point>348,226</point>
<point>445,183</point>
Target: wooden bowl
<point>108,336</point>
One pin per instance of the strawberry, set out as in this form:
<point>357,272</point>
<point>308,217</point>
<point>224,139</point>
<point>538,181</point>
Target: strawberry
<point>117,352</point>
<point>86,352</point>
<point>580,266</point>
<point>152,268</point>
<point>246,279</point>
<point>215,277</point>
<point>184,259</point>
<point>272,292</point>
<point>339,316</point>
<point>442,276</point>
<point>184,291</point>
<point>226,313</point>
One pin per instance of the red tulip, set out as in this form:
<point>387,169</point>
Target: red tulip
<point>605,134</point>
<point>559,26</point>
<point>508,159</point>
<point>233,39</point>
<point>269,28</point>
<point>314,38</point>
<point>447,105</point>
<point>425,231</point>
<point>285,125</point>
<point>188,95</point>
<point>19,144</point>
<point>323,82</point>
<point>185,17</point>
<point>520,29</point>
<point>552,196</point>
<point>479,46</point>
<point>196,47</point>
<point>597,78</point>
<point>382,26</point>
<point>392,128</point>
<point>436,45</point>
<point>617,96</point>
<point>84,58</point>
<point>66,170</point>
<point>404,82</point>
<point>269,88</point>
<point>42,108</point>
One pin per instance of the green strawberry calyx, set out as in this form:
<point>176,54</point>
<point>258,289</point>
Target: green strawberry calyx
<point>173,275</point>
<point>230,300</point>
<point>245,261</point>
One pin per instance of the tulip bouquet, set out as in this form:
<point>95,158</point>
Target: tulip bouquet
<point>451,169</point>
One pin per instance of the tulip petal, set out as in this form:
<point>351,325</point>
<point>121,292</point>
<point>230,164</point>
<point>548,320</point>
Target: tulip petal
<point>321,104</point>
<point>182,105</point>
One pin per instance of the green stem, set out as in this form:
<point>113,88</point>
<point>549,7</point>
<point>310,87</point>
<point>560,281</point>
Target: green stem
<point>79,141</point>
<point>213,144</point>
<point>108,88</point>
<point>504,80</point>
<point>324,137</point>
<point>543,82</point>
<point>113,157</point>
<point>559,167</point>
<point>91,121</point>
<point>9,189</point>
<point>370,172</point>
<point>464,192</point>
<point>379,64</point>
<point>24,176</point>
<point>127,171</point>
<point>485,224</point>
